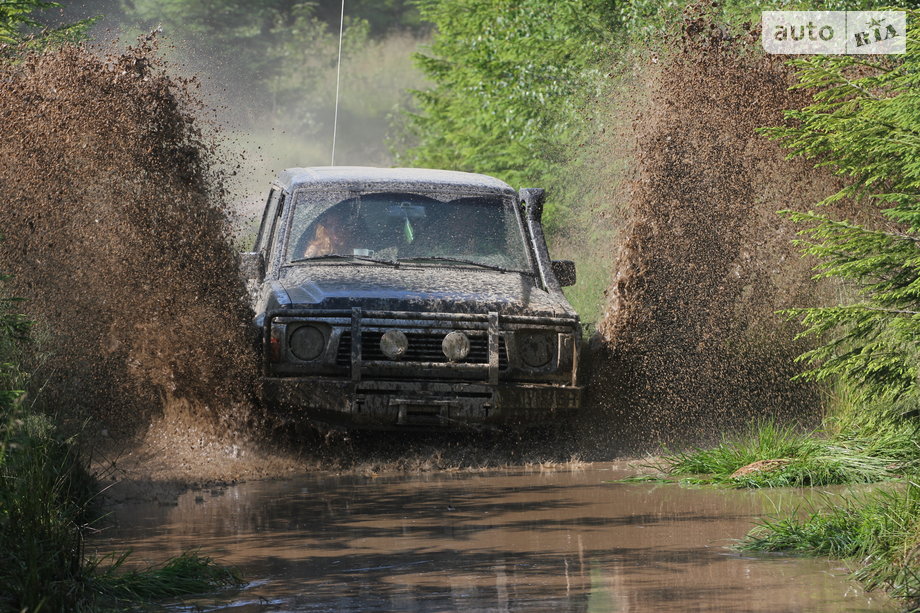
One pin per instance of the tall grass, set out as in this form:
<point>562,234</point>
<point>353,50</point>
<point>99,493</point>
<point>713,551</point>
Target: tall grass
<point>45,506</point>
<point>856,443</point>
<point>880,532</point>
<point>43,496</point>
<point>189,573</point>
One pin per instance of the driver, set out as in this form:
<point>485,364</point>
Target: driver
<point>331,235</point>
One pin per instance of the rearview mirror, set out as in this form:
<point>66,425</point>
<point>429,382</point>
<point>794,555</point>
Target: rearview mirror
<point>252,266</point>
<point>409,211</point>
<point>565,272</point>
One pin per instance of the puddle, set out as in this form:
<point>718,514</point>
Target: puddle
<point>564,540</point>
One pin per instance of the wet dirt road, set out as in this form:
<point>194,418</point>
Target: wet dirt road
<point>523,540</point>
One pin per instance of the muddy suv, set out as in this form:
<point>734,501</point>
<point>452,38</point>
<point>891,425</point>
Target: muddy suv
<point>401,298</point>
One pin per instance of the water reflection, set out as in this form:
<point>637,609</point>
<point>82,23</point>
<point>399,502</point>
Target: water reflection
<point>524,541</point>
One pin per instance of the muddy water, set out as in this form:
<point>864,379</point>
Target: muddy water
<point>563,540</point>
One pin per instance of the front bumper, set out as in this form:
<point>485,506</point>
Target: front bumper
<point>382,405</point>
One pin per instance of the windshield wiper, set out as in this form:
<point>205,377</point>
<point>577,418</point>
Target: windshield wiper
<point>440,258</point>
<point>345,257</point>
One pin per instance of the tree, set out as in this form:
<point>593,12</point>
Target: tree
<point>19,23</point>
<point>383,16</point>
<point>509,76</point>
<point>865,125</point>
<point>271,50</point>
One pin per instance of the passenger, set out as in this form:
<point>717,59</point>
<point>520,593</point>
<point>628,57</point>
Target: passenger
<point>331,235</point>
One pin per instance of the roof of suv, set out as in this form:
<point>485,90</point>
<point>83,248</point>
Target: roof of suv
<point>359,177</point>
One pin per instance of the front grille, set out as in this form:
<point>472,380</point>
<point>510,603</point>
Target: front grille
<point>423,347</point>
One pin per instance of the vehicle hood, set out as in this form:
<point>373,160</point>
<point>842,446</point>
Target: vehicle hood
<point>415,288</point>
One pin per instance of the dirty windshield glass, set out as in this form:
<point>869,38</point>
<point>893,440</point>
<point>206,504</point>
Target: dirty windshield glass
<point>422,228</point>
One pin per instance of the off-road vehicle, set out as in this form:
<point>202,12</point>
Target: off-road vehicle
<point>401,298</point>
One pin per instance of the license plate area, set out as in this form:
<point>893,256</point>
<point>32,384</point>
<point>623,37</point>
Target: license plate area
<point>423,411</point>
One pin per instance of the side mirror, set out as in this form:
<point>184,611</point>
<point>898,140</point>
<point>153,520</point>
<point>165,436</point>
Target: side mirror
<point>565,272</point>
<point>252,266</point>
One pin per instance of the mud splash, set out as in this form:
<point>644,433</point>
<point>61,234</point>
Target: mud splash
<point>115,227</point>
<point>690,343</point>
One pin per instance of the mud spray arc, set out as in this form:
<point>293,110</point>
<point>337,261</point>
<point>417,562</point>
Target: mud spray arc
<point>690,342</point>
<point>115,227</point>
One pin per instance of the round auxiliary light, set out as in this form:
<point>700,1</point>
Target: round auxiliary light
<point>307,343</point>
<point>456,346</point>
<point>393,344</point>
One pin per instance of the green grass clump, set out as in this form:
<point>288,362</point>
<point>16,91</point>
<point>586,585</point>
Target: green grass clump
<point>795,459</point>
<point>880,532</point>
<point>189,573</point>
<point>857,443</point>
<point>764,440</point>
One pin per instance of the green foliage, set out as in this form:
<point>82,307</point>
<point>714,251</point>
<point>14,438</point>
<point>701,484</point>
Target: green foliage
<point>19,22</point>
<point>863,126</point>
<point>765,440</point>
<point>509,79</point>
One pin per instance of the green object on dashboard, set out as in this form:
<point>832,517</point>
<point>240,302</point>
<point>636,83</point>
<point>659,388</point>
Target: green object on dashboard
<point>408,231</point>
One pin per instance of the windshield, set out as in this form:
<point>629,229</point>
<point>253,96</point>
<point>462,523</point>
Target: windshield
<point>424,228</point>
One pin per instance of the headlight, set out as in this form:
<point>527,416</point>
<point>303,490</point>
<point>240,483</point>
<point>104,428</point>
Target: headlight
<point>456,346</point>
<point>394,344</point>
<point>307,342</point>
<point>536,348</point>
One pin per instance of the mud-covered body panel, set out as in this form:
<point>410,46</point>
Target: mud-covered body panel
<point>450,289</point>
<point>382,405</point>
<point>402,344</point>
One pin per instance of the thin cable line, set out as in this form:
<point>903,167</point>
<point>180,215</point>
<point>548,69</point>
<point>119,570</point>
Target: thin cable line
<point>338,77</point>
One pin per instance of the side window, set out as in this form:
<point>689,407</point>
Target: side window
<point>268,221</point>
<point>272,237</point>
